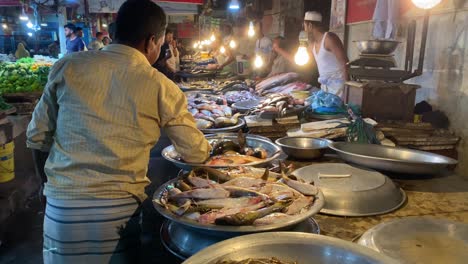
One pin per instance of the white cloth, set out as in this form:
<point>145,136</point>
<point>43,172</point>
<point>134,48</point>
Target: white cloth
<point>331,72</point>
<point>174,61</point>
<point>385,18</point>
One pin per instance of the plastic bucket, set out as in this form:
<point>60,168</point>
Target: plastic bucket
<point>7,162</point>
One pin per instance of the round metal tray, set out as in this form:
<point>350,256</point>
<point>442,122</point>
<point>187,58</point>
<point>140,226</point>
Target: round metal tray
<point>302,147</point>
<point>419,240</point>
<point>240,125</point>
<point>224,230</point>
<point>392,159</point>
<point>363,193</point>
<point>170,154</point>
<point>289,246</point>
<point>245,106</point>
<point>183,242</point>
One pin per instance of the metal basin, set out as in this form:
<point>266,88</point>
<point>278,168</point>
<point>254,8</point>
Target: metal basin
<point>426,240</point>
<point>289,246</point>
<point>352,191</point>
<point>392,159</point>
<point>170,154</point>
<point>303,147</point>
<point>240,124</point>
<point>382,47</point>
<point>226,231</point>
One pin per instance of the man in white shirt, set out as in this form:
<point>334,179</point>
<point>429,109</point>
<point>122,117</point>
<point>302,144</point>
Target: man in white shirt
<point>97,43</point>
<point>263,46</point>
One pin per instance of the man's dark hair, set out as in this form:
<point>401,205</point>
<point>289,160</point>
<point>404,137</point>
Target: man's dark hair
<point>138,20</point>
<point>98,34</point>
<point>71,27</point>
<point>79,28</point>
<point>169,31</point>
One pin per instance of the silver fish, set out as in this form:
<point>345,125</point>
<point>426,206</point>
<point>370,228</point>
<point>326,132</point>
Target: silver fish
<point>212,193</point>
<point>272,219</point>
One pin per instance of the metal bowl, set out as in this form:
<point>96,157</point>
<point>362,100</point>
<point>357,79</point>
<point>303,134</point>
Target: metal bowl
<point>352,191</point>
<point>240,124</point>
<point>419,240</point>
<point>382,47</point>
<point>303,147</point>
<point>229,231</point>
<point>184,243</point>
<point>392,159</point>
<point>289,246</point>
<point>170,154</point>
<point>245,106</point>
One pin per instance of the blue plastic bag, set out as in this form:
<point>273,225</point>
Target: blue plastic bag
<point>323,100</point>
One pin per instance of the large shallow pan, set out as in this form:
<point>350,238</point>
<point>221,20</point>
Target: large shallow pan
<point>170,154</point>
<point>289,246</point>
<point>392,159</point>
<point>222,230</point>
<point>425,240</point>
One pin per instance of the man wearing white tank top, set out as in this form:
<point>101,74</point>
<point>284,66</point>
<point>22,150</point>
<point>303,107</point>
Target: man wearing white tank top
<point>329,54</point>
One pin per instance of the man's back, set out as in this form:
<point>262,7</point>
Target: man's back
<point>108,119</point>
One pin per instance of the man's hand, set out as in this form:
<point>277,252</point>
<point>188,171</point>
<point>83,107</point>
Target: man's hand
<point>275,47</point>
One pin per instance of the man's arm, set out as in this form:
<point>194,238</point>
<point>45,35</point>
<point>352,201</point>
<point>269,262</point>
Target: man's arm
<point>333,44</point>
<point>42,127</point>
<point>179,124</point>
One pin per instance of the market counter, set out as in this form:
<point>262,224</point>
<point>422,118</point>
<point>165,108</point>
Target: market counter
<point>444,196</point>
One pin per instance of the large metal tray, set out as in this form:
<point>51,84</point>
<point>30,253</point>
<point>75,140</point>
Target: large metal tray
<point>289,246</point>
<point>392,159</point>
<point>170,154</point>
<point>414,240</point>
<point>362,192</point>
<point>224,230</point>
<point>183,242</point>
<point>240,125</point>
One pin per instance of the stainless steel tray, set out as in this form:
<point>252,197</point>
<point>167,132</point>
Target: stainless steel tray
<point>392,159</point>
<point>362,192</point>
<point>224,230</point>
<point>170,154</point>
<point>183,242</point>
<point>240,125</point>
<point>289,246</point>
<point>414,240</point>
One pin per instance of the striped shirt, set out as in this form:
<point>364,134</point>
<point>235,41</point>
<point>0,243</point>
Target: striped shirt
<point>99,116</point>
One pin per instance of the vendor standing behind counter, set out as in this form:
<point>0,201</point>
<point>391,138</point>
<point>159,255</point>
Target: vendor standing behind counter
<point>328,53</point>
<point>98,118</point>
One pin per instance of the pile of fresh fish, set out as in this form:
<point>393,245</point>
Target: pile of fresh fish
<point>272,260</point>
<point>211,114</point>
<point>210,196</point>
<point>217,86</point>
<point>276,81</point>
<point>279,104</point>
<point>287,88</point>
<point>239,96</point>
<point>228,152</point>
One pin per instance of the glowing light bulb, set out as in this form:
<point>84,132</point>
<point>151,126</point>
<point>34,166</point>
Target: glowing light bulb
<point>251,31</point>
<point>30,34</point>
<point>222,50</point>
<point>29,24</point>
<point>104,25</point>
<point>4,26</point>
<point>232,44</point>
<point>302,56</point>
<point>43,24</point>
<point>212,38</point>
<point>258,63</point>
<point>426,4</point>
<point>195,45</point>
<point>24,18</point>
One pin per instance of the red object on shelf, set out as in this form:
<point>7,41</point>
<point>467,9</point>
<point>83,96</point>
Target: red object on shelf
<point>360,10</point>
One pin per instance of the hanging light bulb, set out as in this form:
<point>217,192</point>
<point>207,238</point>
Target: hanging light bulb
<point>213,37</point>
<point>302,56</point>
<point>29,24</point>
<point>426,4</point>
<point>251,31</point>
<point>4,26</point>
<point>222,50</point>
<point>195,45</point>
<point>30,34</point>
<point>258,63</point>
<point>234,5</point>
<point>232,44</point>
